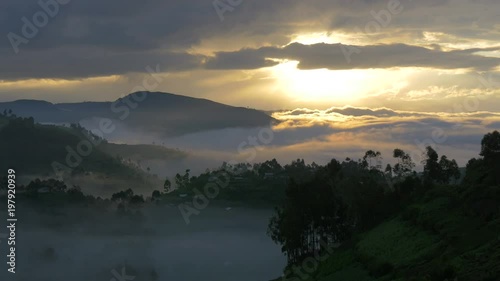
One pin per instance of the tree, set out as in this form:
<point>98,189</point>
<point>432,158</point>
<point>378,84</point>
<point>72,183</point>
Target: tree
<point>490,150</point>
<point>136,200</point>
<point>449,170</point>
<point>155,195</point>
<point>388,176</point>
<point>441,171</point>
<point>432,169</point>
<point>312,218</point>
<point>167,185</point>
<point>299,171</point>
<point>475,172</point>
<point>239,168</point>
<point>182,181</point>
<point>405,164</point>
<point>123,196</point>
<point>270,166</point>
<point>388,171</point>
<point>372,159</point>
<point>52,185</point>
<point>490,147</point>
<point>75,194</point>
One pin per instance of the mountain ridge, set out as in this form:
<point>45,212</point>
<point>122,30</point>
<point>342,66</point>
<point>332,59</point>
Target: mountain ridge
<point>153,112</point>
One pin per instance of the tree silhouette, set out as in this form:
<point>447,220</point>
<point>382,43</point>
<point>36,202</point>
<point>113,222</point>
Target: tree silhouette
<point>405,164</point>
<point>167,185</point>
<point>441,171</point>
<point>449,170</point>
<point>182,181</point>
<point>432,170</point>
<point>372,159</point>
<point>490,150</point>
<point>155,195</point>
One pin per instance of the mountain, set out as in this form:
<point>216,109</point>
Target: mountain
<point>153,112</point>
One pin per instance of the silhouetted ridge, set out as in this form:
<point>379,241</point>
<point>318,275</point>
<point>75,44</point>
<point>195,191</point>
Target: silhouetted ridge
<point>152,112</point>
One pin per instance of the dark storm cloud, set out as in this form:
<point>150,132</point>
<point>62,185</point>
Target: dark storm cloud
<point>93,38</point>
<point>86,62</point>
<point>112,37</point>
<point>69,63</point>
<point>338,56</point>
<point>111,24</point>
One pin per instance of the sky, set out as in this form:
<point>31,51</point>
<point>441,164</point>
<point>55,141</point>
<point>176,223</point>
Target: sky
<point>410,67</point>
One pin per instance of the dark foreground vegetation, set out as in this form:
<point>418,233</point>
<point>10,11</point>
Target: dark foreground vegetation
<point>355,221</point>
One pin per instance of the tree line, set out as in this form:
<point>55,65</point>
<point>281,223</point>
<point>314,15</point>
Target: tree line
<point>348,197</point>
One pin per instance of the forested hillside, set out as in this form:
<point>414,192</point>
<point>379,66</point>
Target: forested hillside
<point>355,221</point>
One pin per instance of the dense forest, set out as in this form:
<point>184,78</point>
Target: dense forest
<point>355,221</point>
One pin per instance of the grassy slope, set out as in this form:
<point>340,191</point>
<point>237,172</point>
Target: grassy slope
<point>434,239</point>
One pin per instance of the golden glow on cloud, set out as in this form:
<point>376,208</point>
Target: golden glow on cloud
<point>356,117</point>
<point>315,38</point>
<point>492,54</point>
<point>449,42</point>
<point>322,37</point>
<point>446,42</point>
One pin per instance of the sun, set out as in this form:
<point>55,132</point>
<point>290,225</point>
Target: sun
<point>320,84</point>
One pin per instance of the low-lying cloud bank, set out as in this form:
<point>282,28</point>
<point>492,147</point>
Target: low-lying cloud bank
<point>337,132</point>
<point>354,130</point>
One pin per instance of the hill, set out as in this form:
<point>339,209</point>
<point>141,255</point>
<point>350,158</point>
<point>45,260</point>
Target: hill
<point>443,236</point>
<point>355,222</point>
<point>36,150</point>
<point>33,148</point>
<point>153,112</point>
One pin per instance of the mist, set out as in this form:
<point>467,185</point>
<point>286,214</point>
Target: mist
<point>307,138</point>
<point>153,243</point>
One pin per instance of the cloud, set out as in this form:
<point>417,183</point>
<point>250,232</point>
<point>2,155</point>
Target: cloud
<point>127,35</point>
<point>67,63</point>
<point>96,39</point>
<point>86,62</point>
<point>318,136</point>
<point>353,111</point>
<point>339,57</point>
